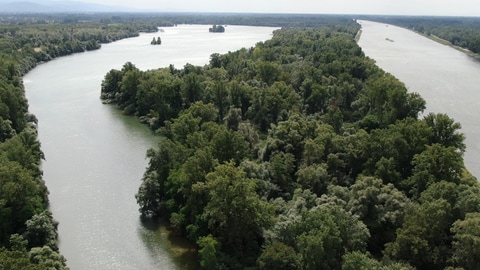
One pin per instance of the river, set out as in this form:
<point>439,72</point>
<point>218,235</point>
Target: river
<point>446,78</point>
<point>95,156</point>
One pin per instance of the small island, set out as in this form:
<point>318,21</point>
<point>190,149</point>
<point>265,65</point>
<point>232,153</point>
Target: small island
<point>216,29</point>
<point>156,41</point>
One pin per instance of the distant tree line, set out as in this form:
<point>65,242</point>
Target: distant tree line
<point>29,41</point>
<point>300,153</point>
<point>254,19</point>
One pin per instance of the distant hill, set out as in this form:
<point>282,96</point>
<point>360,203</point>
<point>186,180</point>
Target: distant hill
<point>48,6</point>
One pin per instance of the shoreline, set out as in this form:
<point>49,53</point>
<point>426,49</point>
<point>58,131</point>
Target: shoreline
<point>437,39</point>
<point>448,43</point>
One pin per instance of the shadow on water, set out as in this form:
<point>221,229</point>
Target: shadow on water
<point>160,240</point>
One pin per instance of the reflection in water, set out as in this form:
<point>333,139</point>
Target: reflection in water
<point>179,249</point>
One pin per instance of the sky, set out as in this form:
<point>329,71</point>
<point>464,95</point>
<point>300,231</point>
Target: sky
<point>387,7</point>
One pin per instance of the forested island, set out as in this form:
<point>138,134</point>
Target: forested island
<point>298,153</point>
<point>216,29</point>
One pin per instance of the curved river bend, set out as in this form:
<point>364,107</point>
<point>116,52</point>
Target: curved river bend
<point>447,79</point>
<point>95,156</point>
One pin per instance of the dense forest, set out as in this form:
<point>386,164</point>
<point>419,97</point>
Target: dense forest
<point>300,153</point>
<point>463,32</point>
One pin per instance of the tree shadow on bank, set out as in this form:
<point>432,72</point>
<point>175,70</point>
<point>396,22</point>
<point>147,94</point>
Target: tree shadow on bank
<point>160,240</point>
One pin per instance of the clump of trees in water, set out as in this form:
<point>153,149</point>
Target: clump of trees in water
<point>216,29</point>
<point>156,41</point>
<point>300,153</point>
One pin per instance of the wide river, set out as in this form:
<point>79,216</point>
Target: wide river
<point>449,80</point>
<point>95,156</point>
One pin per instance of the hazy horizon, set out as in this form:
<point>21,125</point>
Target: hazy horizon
<point>373,7</point>
<point>381,7</point>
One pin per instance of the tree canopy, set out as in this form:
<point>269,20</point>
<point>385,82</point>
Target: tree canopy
<point>300,153</point>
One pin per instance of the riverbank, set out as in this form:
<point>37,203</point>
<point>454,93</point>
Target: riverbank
<point>358,35</point>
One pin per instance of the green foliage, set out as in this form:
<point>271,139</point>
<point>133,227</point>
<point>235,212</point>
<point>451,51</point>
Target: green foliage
<point>24,149</point>
<point>303,109</point>
<point>314,177</point>
<point>387,99</point>
<point>45,256</point>
<point>287,125</point>
<point>278,256</point>
<point>282,169</point>
<point>216,29</point>
<point>381,207</point>
<point>322,236</point>
<point>18,242</point>
<point>435,164</point>
<point>424,239</point>
<point>18,260</point>
<point>26,41</point>
<point>234,211</point>
<point>466,244</point>
<point>156,41</point>
<point>271,104</point>
<point>42,231</point>
<point>445,131</point>
<point>359,261</point>
<point>21,197</point>
<point>209,251</point>
<point>299,153</point>
<point>389,151</point>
